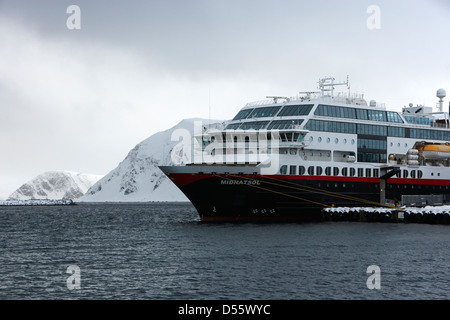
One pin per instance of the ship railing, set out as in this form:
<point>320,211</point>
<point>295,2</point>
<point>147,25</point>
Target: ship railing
<point>440,125</point>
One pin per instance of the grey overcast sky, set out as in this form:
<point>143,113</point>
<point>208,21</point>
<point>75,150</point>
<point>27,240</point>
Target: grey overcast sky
<point>79,100</point>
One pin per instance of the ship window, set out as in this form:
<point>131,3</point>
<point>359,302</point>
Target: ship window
<point>413,174</point>
<point>328,171</point>
<point>292,170</point>
<point>264,112</point>
<point>254,125</point>
<point>372,157</point>
<point>311,171</point>
<point>394,117</point>
<point>330,126</point>
<point>372,130</point>
<point>344,171</point>
<point>335,112</point>
<point>243,114</point>
<point>283,169</point>
<point>397,132</point>
<point>233,126</point>
<point>376,115</point>
<point>361,114</point>
<point>429,134</point>
<point>352,172</point>
<point>318,171</point>
<point>298,110</point>
<point>284,124</point>
<point>368,172</point>
<point>301,170</point>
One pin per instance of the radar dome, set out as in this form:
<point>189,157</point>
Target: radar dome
<point>441,93</point>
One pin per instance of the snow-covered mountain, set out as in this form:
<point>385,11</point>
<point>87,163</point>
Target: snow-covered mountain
<point>55,185</point>
<point>137,177</point>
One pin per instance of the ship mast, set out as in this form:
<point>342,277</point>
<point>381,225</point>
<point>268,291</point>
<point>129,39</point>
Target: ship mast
<point>326,86</point>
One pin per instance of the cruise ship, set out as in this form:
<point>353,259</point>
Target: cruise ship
<point>288,158</point>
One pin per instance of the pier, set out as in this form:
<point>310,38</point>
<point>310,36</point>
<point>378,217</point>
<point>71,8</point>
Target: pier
<point>426,215</point>
<point>37,202</point>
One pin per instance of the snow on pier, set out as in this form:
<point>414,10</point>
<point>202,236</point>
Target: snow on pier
<point>428,214</point>
<point>46,202</point>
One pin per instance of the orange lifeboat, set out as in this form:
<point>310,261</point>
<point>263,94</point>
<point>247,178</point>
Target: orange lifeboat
<point>435,151</point>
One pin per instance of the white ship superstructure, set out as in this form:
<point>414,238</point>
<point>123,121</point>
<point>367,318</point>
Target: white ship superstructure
<point>331,149</point>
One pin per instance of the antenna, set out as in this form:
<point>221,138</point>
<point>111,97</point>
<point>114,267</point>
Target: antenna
<point>327,85</point>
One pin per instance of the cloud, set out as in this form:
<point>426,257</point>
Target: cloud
<point>62,102</point>
<point>82,105</point>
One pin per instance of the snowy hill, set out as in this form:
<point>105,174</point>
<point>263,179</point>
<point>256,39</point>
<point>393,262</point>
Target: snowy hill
<point>55,185</point>
<point>137,177</point>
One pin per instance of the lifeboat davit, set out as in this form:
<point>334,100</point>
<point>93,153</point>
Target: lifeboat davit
<point>438,151</point>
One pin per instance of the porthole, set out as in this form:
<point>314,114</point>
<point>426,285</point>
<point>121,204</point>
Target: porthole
<point>319,139</point>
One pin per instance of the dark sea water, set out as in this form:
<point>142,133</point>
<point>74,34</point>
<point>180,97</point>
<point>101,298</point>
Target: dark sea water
<point>162,251</point>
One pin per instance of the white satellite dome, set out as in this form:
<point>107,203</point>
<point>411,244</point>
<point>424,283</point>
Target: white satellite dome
<point>441,93</point>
